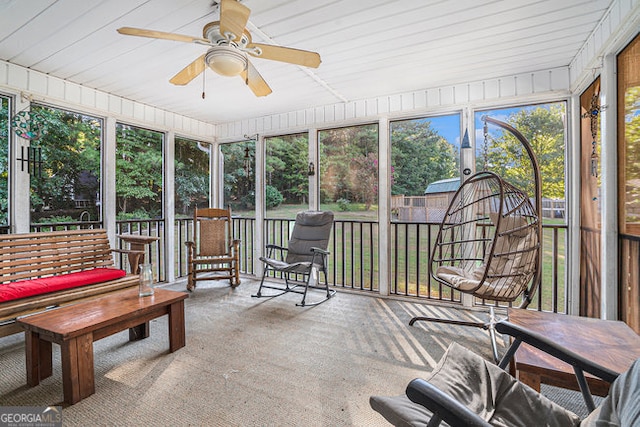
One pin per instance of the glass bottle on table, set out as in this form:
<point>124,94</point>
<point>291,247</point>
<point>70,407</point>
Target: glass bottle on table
<point>145,281</point>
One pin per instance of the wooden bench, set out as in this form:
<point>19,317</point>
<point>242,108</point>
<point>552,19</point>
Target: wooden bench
<point>59,255</point>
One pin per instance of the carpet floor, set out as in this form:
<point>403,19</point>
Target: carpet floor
<point>253,362</point>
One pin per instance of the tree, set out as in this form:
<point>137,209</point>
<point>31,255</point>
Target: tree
<point>346,155</point>
<point>238,190</point>
<point>543,127</point>
<point>191,176</point>
<point>286,167</point>
<point>419,156</point>
<point>70,170</point>
<point>139,172</point>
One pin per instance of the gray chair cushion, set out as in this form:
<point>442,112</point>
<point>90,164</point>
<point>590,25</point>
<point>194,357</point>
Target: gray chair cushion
<point>312,229</point>
<point>485,389</point>
<point>400,411</point>
<point>621,407</point>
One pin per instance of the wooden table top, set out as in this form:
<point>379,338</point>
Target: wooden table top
<point>78,319</point>
<point>610,343</point>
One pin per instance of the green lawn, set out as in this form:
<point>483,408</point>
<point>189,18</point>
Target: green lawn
<point>355,260</point>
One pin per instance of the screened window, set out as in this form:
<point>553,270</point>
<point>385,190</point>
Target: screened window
<point>544,127</point>
<point>4,161</point>
<point>65,186</point>
<point>286,178</point>
<point>139,174</point>
<point>629,136</point>
<point>239,177</point>
<point>191,176</point>
<point>423,153</point>
<point>349,171</point>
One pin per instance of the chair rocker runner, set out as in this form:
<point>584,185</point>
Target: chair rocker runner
<point>306,255</point>
<point>214,253</point>
<point>488,244</point>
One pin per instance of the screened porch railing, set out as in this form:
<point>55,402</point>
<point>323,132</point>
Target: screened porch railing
<point>354,259</point>
<point>354,256</point>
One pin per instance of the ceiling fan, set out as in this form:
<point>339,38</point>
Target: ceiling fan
<point>230,46</point>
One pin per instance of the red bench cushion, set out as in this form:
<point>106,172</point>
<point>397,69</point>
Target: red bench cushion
<point>27,288</point>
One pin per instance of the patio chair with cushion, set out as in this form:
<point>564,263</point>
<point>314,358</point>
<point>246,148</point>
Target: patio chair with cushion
<point>301,262</point>
<point>464,389</point>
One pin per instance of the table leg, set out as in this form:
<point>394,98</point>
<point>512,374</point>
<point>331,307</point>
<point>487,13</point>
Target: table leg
<point>176,326</point>
<point>77,368</point>
<point>532,380</point>
<point>38,358</point>
<point>139,332</point>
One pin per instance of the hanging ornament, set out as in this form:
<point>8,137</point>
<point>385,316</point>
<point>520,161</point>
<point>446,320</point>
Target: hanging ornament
<point>28,125</point>
<point>593,114</point>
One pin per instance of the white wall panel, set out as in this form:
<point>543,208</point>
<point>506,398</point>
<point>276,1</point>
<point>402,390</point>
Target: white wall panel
<point>524,84</point>
<point>606,37</point>
<point>138,111</point>
<point>461,94</point>
<point>4,70</point>
<point>115,104</point>
<point>55,91</point>
<point>420,99</point>
<point>88,97</point>
<point>395,103</point>
<point>553,82</point>
<point>102,101</point>
<point>37,83</point>
<point>447,96</point>
<point>433,97</point>
<point>17,77</point>
<point>72,93</point>
<point>507,87</point>
<point>476,91</point>
<point>128,109</point>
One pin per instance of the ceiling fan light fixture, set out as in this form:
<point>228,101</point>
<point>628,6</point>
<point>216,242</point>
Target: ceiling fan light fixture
<point>226,60</point>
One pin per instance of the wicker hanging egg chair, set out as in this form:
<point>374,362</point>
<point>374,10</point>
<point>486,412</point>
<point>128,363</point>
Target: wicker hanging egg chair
<point>489,242</point>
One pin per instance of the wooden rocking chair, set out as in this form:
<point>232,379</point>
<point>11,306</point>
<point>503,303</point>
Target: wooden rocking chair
<point>214,253</point>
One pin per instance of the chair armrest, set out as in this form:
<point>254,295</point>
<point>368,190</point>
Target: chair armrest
<point>272,247</point>
<point>442,405</point>
<point>580,364</point>
<point>189,244</point>
<point>320,251</point>
<point>554,349</point>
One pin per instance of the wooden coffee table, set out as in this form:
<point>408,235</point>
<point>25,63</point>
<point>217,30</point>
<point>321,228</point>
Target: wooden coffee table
<point>612,344</point>
<point>75,328</point>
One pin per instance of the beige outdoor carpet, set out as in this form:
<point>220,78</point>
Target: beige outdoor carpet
<point>253,362</point>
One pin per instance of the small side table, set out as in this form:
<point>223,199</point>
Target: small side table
<point>137,244</point>
<point>612,344</point>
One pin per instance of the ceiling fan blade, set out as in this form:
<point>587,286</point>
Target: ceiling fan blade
<point>189,72</point>
<point>254,80</point>
<point>140,32</point>
<point>287,54</point>
<point>233,18</point>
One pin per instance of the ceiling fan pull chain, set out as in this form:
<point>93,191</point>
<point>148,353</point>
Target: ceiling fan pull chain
<point>203,83</point>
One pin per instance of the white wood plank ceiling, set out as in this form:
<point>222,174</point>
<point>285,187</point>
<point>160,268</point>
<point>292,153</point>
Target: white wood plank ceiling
<point>368,48</point>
